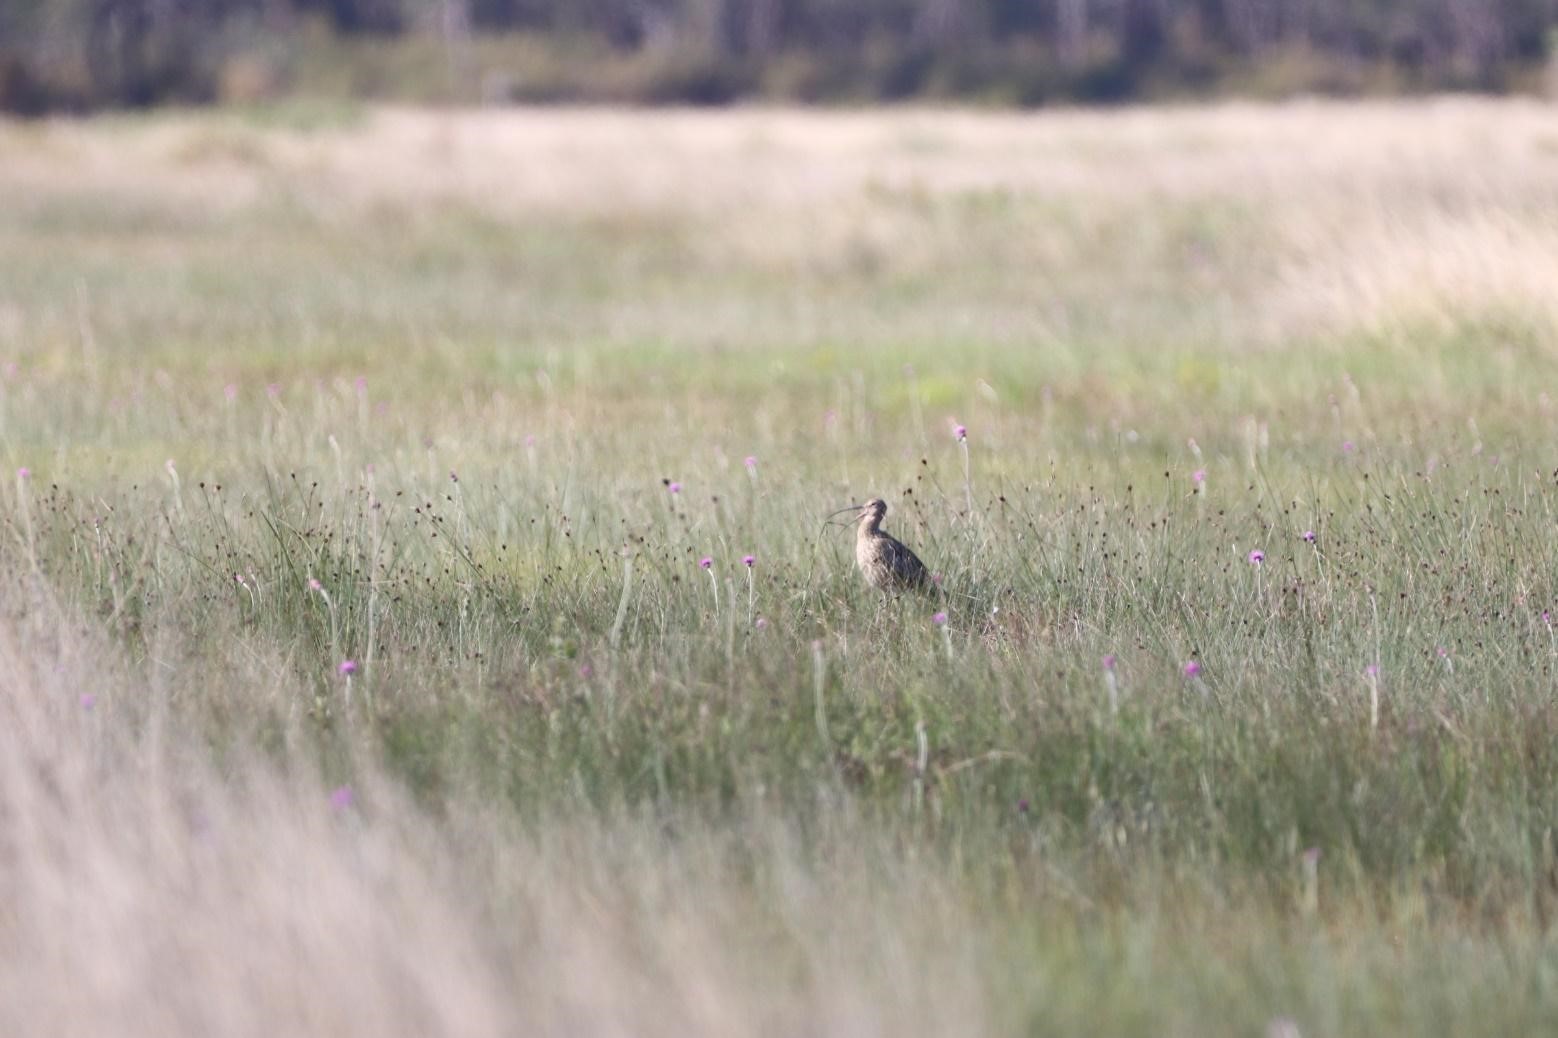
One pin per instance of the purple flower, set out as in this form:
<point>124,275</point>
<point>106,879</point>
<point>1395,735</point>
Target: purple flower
<point>1443,652</point>
<point>1257,557</point>
<point>586,670</point>
<point>24,473</point>
<point>272,390</point>
<point>1109,662</point>
<point>1309,537</point>
<point>347,668</point>
<point>674,487</point>
<point>530,439</point>
<point>314,585</point>
<point>361,383</point>
<point>88,701</point>
<point>1198,477</point>
<point>454,477</point>
<point>1348,446</point>
<point>1022,805</point>
<point>341,797</point>
<point>1192,668</point>
<point>939,619</point>
<point>1547,618</point>
<point>230,391</point>
<point>1372,670</point>
<point>748,561</point>
<point>705,563</point>
<point>751,462</point>
<point>960,432</point>
<point>761,624</point>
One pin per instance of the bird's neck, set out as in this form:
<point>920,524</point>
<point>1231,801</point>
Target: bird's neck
<point>870,526</point>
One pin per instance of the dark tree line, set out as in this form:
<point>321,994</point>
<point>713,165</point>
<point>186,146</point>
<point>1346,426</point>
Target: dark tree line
<point>137,52</point>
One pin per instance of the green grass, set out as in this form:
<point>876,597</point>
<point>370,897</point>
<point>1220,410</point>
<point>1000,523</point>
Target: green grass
<point>856,807</point>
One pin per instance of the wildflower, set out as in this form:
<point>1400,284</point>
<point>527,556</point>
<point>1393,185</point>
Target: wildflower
<point>530,439</point>
<point>230,391</point>
<point>960,432</point>
<point>939,619</point>
<point>751,463</point>
<point>314,584</point>
<point>273,390</point>
<point>674,487</point>
<point>1547,618</point>
<point>586,670</point>
<point>347,668</point>
<point>1257,557</point>
<point>1192,668</point>
<point>1372,670</point>
<point>1348,446</point>
<point>24,473</point>
<point>88,701</point>
<point>1022,805</point>
<point>761,624</point>
<point>238,577</point>
<point>1309,536</point>
<point>341,798</point>
<point>748,561</point>
<point>1109,662</point>
<point>1442,651</point>
<point>361,383</point>
<point>453,476</point>
<point>1198,477</point>
<point>705,562</point>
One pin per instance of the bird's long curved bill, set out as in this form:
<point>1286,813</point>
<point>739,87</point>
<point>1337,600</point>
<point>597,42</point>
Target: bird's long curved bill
<point>849,508</point>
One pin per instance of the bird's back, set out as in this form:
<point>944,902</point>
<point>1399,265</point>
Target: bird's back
<point>887,562</point>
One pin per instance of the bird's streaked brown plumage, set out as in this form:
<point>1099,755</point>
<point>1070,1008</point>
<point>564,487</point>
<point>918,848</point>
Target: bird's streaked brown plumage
<point>886,562</point>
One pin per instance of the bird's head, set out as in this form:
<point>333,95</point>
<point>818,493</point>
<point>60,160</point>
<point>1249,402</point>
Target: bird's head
<point>872,509</point>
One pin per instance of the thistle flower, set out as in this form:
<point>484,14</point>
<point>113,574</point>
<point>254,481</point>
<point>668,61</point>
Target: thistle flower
<point>960,433</point>
<point>674,487</point>
<point>939,619</point>
<point>88,701</point>
<point>1257,557</point>
<point>748,561</point>
<point>347,668</point>
<point>751,463</point>
<point>1192,668</point>
<point>314,584</point>
<point>341,798</point>
<point>1109,662</point>
<point>24,473</point>
<point>1309,536</point>
<point>1198,477</point>
<point>761,624</point>
<point>705,562</point>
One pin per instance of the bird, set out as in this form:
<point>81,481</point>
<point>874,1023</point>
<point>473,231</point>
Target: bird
<point>886,563</point>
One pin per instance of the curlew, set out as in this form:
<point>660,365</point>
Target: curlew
<point>885,562</point>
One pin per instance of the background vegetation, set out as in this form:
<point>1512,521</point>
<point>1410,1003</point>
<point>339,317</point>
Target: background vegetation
<point>76,54</point>
<point>465,398</point>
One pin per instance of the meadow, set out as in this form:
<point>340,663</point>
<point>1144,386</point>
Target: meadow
<point>362,672</point>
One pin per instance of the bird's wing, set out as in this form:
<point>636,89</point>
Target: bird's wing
<point>907,564</point>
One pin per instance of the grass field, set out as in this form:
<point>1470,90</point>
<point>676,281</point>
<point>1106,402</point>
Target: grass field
<point>464,398</point>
